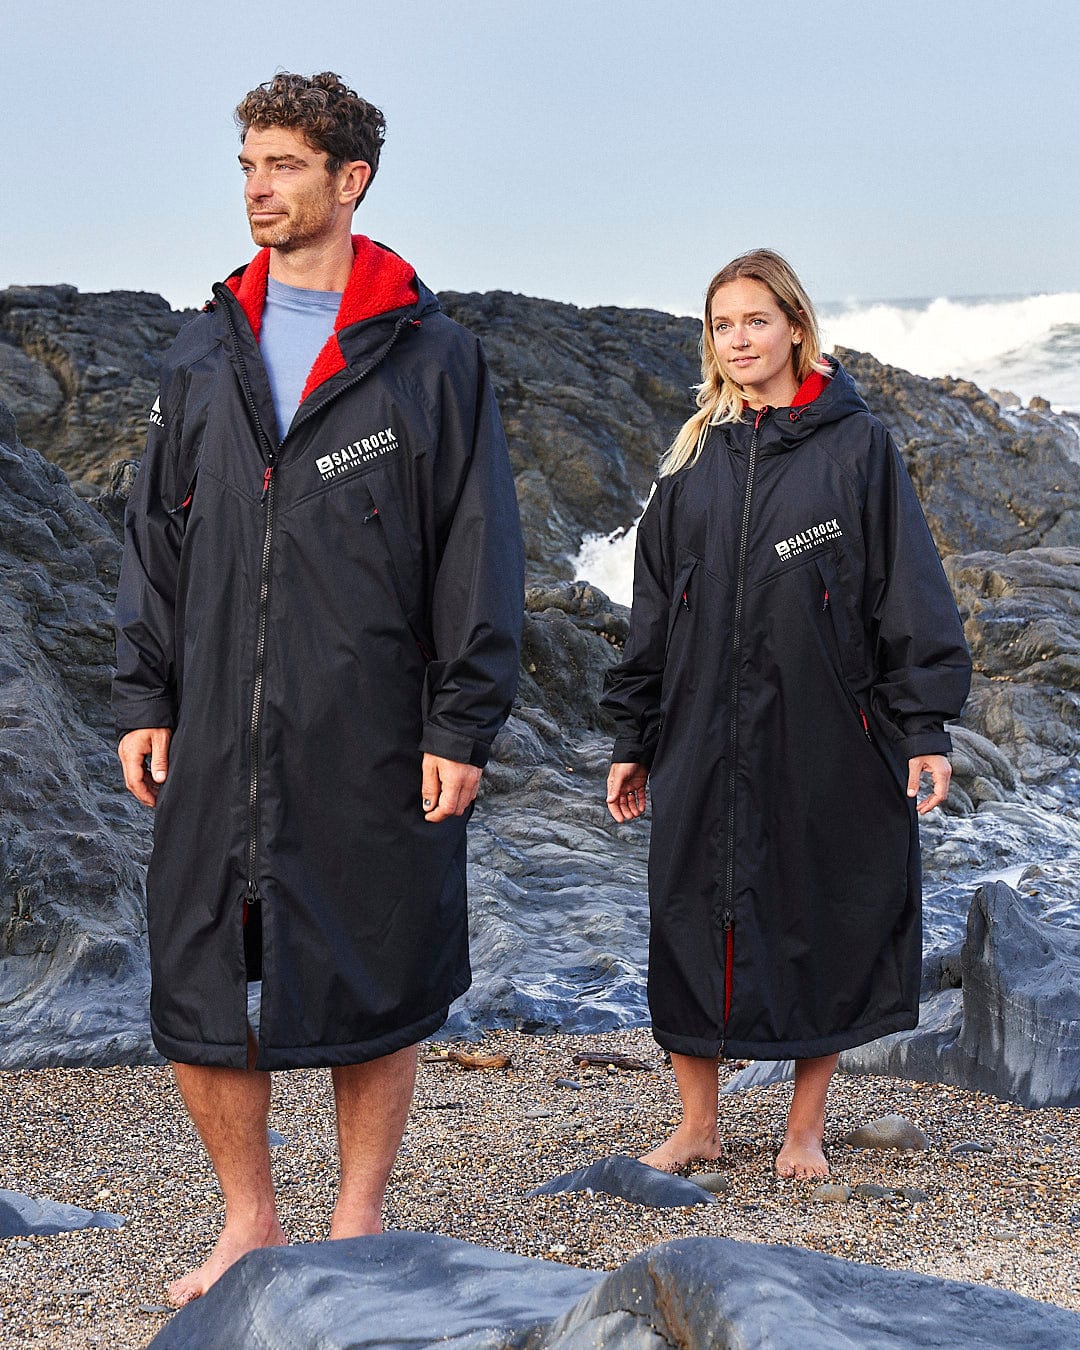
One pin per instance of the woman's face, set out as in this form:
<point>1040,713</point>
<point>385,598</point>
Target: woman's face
<point>753,340</point>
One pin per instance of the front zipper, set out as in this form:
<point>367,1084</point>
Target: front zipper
<point>727,914</point>
<point>267,497</point>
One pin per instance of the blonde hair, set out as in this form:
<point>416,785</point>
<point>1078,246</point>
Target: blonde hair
<point>720,399</point>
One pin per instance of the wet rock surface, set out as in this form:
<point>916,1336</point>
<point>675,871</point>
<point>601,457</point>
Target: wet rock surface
<point>74,974</point>
<point>1013,1026</point>
<point>412,1289</point>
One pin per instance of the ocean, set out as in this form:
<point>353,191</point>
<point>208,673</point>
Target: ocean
<point>1026,345</point>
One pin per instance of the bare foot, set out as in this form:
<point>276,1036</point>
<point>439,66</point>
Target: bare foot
<point>236,1240</point>
<point>682,1148</point>
<point>802,1157</point>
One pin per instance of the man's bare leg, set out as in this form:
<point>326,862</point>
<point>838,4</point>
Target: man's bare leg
<point>372,1102</point>
<point>230,1108</point>
<point>802,1154</point>
<point>696,1136</point>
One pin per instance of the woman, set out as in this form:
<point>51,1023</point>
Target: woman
<point>793,655</point>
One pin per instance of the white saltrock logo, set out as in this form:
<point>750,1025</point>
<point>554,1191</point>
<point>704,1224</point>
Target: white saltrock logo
<point>825,532</point>
<point>356,454</point>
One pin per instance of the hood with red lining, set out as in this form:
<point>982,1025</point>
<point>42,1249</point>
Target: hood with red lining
<point>379,283</point>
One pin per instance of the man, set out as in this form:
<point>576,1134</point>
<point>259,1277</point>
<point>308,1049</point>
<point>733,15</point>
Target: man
<point>318,622</point>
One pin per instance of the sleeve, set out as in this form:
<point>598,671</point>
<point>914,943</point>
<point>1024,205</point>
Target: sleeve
<point>632,687</point>
<point>478,594</point>
<point>144,688</point>
<point>920,655</point>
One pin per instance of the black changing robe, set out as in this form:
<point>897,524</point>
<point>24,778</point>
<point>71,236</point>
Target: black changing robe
<point>311,615</point>
<point>793,643</point>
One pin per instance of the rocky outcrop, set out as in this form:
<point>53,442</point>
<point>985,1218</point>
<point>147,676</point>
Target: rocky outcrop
<point>419,1290</point>
<point>590,398</point>
<point>79,372</point>
<point>987,478</point>
<point>74,974</point>
<point>1021,616</point>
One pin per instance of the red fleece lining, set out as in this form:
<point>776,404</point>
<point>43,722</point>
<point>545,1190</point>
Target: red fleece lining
<point>379,282</point>
<point>814,384</point>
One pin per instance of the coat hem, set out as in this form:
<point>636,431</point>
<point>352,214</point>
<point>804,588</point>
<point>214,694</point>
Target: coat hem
<point>708,1048</point>
<point>304,1057</point>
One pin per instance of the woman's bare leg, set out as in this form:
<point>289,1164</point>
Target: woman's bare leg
<point>697,1135</point>
<point>802,1154</point>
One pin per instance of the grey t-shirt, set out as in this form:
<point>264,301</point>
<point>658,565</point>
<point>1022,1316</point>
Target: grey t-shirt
<point>295,326</point>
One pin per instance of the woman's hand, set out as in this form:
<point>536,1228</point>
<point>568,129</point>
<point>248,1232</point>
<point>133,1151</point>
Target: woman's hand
<point>939,769</point>
<point>626,791</point>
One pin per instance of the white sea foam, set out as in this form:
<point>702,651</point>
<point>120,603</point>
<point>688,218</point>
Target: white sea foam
<point>1029,345</point>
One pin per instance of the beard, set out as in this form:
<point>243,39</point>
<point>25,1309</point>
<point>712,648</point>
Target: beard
<point>305,220</point>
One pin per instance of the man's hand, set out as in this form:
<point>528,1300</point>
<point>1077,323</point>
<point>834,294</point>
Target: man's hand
<point>626,791</point>
<point>447,788</point>
<point>939,769</point>
<point>143,784</point>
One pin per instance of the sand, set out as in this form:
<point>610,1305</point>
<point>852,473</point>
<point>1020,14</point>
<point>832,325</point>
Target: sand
<point>118,1139</point>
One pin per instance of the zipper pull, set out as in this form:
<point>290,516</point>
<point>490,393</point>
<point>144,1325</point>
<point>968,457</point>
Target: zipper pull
<point>266,481</point>
<point>760,416</point>
<point>825,602</point>
<point>686,602</point>
<point>865,725</point>
<point>371,515</point>
<point>727,920</point>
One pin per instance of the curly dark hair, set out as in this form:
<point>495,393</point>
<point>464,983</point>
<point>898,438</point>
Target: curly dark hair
<point>332,117</point>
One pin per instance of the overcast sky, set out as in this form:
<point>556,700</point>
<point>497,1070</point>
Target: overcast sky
<point>584,150</point>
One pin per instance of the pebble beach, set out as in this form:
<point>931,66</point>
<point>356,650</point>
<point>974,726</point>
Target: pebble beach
<point>995,1199</point>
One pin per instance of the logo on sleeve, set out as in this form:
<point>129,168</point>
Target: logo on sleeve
<point>156,418</point>
<point>825,532</point>
<point>357,454</point>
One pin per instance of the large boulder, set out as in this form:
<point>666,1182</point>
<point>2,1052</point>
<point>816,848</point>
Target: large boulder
<point>417,1290</point>
<point>74,973</point>
<point>1012,1028</point>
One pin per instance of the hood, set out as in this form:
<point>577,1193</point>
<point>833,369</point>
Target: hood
<point>820,400</point>
<point>380,283</point>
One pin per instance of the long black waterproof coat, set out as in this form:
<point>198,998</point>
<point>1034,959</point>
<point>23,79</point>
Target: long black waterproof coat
<point>311,615</point>
<point>793,643</point>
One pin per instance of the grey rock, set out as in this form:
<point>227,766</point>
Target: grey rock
<point>870,1190</point>
<point>971,1146</point>
<point>274,1139</point>
<point>571,1083</point>
<point>632,1180</point>
<point>1013,1029</point>
<point>715,1182</point>
<point>22,1215</point>
<point>913,1195</point>
<point>80,372</point>
<point>891,1131</point>
<point>829,1193</point>
<point>417,1290</point>
<point>74,973</point>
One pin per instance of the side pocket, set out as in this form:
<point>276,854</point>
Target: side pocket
<point>682,600</point>
<point>833,604</point>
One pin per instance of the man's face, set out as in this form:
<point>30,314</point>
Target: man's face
<point>292,202</point>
